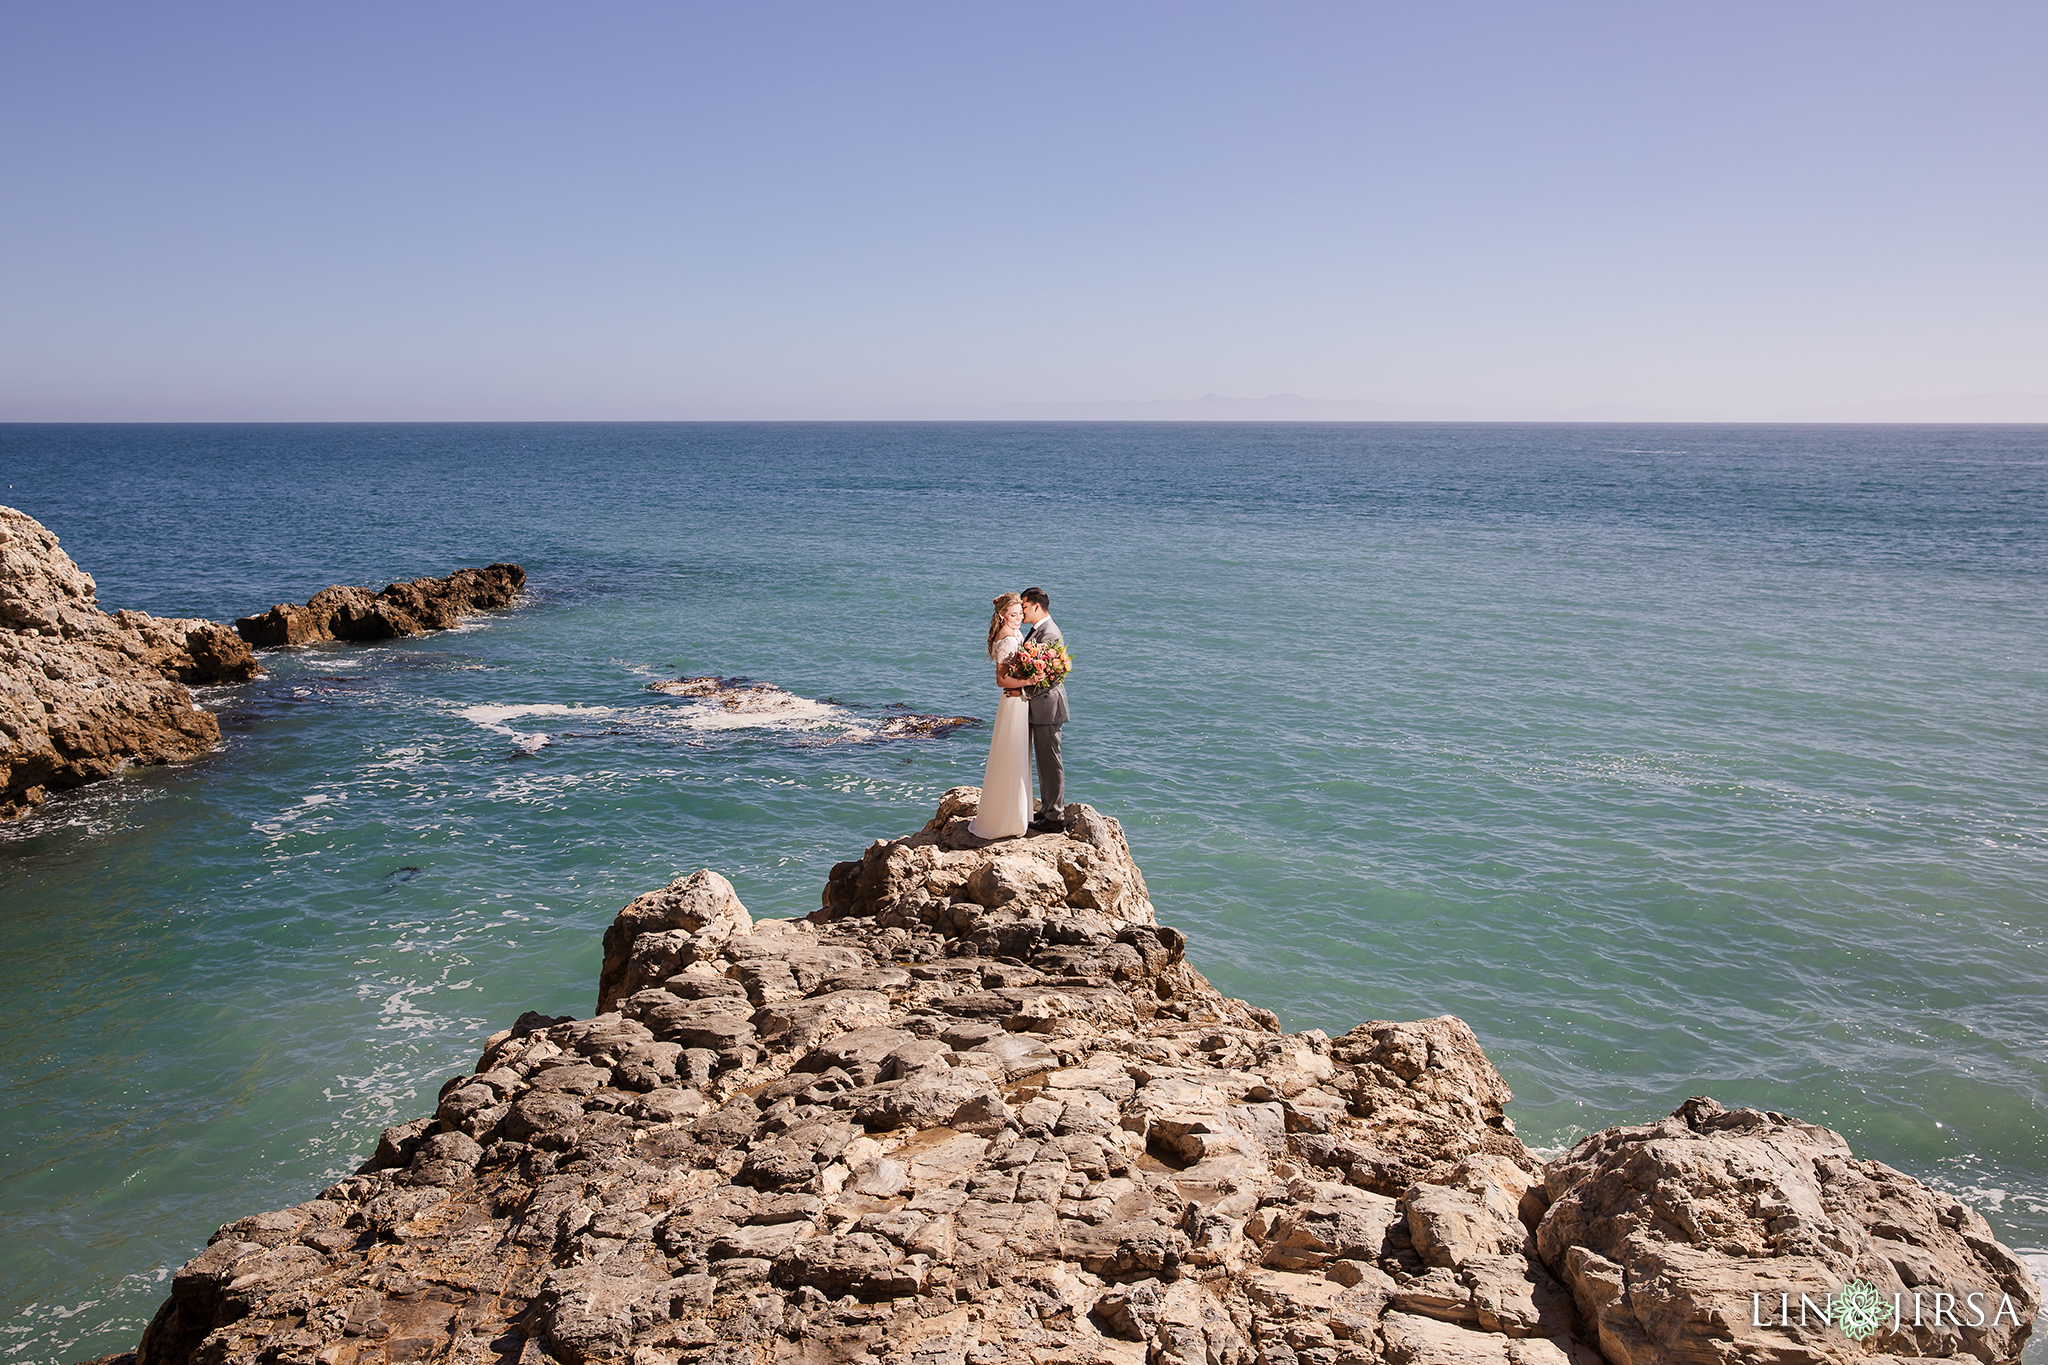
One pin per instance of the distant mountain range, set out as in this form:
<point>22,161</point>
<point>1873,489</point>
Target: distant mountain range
<point>1294,407</point>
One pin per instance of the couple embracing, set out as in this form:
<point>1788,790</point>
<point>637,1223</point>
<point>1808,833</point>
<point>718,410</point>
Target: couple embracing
<point>1031,667</point>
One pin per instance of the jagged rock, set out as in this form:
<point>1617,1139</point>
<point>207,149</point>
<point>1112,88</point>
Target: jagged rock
<point>1312,1223</point>
<point>411,608</point>
<point>1449,1224</point>
<point>800,1025</point>
<point>1427,1096</point>
<point>589,1312</point>
<point>84,694</point>
<point>958,1100</point>
<point>691,914</point>
<point>1085,874</point>
<point>192,651</point>
<point>1676,1237</point>
<point>1412,1340</point>
<point>902,1147</point>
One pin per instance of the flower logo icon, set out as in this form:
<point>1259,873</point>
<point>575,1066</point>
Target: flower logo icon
<point>1860,1309</point>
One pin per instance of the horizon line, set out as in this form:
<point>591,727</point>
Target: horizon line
<point>1018,421</point>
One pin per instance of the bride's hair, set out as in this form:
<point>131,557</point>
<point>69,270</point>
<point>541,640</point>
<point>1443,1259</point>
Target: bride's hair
<point>995,623</point>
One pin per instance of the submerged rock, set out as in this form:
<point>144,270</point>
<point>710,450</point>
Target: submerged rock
<point>979,1108</point>
<point>747,700</point>
<point>402,609</point>
<point>84,694</point>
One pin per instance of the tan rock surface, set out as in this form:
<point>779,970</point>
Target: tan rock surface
<point>966,1114</point>
<point>84,694</point>
<point>1676,1238</point>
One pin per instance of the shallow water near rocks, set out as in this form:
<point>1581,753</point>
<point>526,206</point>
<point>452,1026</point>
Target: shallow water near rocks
<point>1676,760</point>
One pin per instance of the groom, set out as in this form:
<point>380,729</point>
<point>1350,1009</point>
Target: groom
<point>1048,713</point>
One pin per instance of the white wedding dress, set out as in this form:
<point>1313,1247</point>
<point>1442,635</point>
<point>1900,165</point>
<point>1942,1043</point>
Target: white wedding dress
<point>1006,783</point>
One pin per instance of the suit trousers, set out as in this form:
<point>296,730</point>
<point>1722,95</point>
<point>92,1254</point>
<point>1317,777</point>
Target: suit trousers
<point>1045,748</point>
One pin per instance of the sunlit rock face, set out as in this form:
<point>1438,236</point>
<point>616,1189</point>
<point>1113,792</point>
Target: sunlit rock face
<point>980,1108</point>
<point>84,694</point>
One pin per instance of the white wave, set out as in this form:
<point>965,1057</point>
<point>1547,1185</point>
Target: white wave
<point>766,711</point>
<point>493,718</point>
<point>309,805</point>
<point>714,705</point>
<point>2035,1259</point>
<point>404,758</point>
<point>100,810</point>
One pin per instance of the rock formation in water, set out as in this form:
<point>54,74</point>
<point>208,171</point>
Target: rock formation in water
<point>82,693</point>
<point>745,697</point>
<point>980,1108</point>
<point>402,609</point>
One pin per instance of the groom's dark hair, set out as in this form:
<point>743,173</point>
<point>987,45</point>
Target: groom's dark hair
<point>1037,597</point>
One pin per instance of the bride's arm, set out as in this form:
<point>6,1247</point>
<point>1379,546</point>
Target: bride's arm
<point>1012,687</point>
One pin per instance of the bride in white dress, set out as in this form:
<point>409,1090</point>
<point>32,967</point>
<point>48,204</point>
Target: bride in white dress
<point>1006,783</point>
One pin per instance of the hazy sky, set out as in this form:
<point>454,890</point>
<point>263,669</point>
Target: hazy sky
<point>618,210</point>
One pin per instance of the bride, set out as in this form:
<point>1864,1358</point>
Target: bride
<point>1006,785</point>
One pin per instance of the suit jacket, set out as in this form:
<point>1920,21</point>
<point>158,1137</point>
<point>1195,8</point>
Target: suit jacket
<point>1048,704</point>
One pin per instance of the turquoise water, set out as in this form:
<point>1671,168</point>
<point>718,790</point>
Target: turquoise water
<point>1677,760</point>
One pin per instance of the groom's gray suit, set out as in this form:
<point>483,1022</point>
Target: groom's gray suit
<point>1048,713</point>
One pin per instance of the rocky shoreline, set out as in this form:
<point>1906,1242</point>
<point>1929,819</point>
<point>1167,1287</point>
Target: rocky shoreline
<point>980,1107</point>
<point>84,694</point>
<point>417,607</point>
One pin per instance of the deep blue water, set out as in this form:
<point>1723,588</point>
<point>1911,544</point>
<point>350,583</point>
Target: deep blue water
<point>1675,759</point>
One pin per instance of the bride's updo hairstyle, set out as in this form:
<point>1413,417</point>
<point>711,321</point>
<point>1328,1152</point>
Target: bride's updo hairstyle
<point>995,623</point>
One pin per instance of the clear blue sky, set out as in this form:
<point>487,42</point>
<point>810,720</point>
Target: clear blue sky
<point>623,210</point>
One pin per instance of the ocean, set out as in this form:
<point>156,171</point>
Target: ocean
<point>1676,760</point>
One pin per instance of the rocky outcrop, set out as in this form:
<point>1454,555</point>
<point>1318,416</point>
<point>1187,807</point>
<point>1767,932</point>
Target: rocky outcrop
<point>1002,894</point>
<point>191,650</point>
<point>1718,1235</point>
<point>84,694</point>
<point>402,609</point>
<point>745,700</point>
<point>662,932</point>
<point>980,1108</point>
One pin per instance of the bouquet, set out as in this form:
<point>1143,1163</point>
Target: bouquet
<point>1038,666</point>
